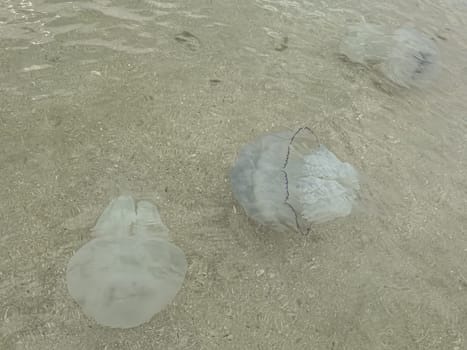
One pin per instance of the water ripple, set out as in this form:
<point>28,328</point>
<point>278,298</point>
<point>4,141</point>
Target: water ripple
<point>128,27</point>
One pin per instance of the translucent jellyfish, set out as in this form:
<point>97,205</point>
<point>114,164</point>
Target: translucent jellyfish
<point>406,57</point>
<point>130,271</point>
<point>287,180</point>
<point>365,44</point>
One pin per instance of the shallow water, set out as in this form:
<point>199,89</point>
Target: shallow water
<point>157,97</point>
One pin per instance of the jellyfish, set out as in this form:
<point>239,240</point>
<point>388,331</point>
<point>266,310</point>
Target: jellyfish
<point>129,271</point>
<point>287,180</point>
<point>407,57</point>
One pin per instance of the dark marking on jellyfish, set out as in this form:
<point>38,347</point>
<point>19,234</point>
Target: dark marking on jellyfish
<point>292,139</point>
<point>284,167</point>
<point>424,59</point>
<point>188,40</point>
<point>283,44</point>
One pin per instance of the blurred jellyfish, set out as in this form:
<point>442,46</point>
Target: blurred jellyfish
<point>130,271</point>
<point>406,57</point>
<point>287,180</point>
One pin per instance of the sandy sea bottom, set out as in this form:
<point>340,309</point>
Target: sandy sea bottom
<point>156,98</point>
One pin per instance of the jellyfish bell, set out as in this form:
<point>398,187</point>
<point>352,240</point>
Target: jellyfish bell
<point>130,271</point>
<point>406,57</point>
<point>366,44</point>
<point>288,180</point>
<point>124,217</point>
<point>413,60</point>
<point>124,282</point>
<point>258,181</point>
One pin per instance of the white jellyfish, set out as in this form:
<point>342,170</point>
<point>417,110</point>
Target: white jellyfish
<point>407,57</point>
<point>287,180</point>
<point>130,271</point>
